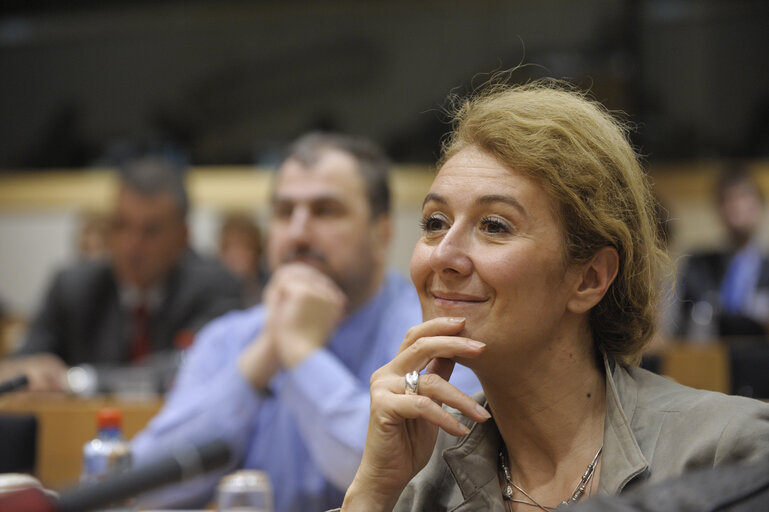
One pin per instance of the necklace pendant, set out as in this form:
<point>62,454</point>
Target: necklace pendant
<point>507,493</point>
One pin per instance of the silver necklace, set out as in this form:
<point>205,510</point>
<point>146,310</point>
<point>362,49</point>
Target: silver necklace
<point>507,492</point>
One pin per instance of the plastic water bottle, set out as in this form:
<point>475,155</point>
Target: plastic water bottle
<point>108,453</point>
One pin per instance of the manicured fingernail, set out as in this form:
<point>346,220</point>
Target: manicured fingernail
<point>456,319</point>
<point>482,411</point>
<point>475,344</point>
<point>464,429</point>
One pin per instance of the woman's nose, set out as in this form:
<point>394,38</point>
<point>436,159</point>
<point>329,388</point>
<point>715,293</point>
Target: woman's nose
<point>452,254</point>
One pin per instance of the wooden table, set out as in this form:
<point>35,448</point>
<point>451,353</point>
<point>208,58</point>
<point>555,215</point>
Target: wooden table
<point>66,423</point>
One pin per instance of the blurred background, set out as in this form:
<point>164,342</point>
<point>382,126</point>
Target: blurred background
<point>228,82</point>
<point>224,85</point>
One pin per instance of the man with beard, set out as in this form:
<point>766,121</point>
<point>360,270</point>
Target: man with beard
<point>286,383</point>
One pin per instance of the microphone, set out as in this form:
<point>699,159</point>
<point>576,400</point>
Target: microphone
<point>181,465</point>
<point>13,384</point>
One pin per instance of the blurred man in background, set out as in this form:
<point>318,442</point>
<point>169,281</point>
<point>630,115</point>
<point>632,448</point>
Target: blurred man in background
<point>286,383</point>
<point>725,293</point>
<point>149,296</point>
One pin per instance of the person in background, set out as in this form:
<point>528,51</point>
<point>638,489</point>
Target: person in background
<point>285,383</point>
<point>93,236</point>
<point>240,250</point>
<point>725,293</point>
<point>149,296</point>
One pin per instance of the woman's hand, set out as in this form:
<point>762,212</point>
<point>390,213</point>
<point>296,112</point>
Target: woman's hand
<point>402,428</point>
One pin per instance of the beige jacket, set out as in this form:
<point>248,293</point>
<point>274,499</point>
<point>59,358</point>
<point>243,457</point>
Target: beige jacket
<point>654,429</point>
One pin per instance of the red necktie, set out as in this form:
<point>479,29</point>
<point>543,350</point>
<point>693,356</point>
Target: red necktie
<point>140,344</point>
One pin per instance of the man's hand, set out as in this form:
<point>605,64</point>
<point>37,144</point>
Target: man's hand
<point>303,307</point>
<point>46,372</point>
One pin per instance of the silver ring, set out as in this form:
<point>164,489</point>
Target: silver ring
<point>412,383</point>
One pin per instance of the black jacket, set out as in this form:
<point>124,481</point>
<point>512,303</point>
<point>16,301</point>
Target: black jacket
<point>701,281</point>
<point>82,321</point>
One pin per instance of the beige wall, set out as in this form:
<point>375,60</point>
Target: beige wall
<point>39,214</point>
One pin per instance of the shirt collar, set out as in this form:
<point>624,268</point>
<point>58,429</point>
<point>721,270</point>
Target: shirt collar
<point>131,297</point>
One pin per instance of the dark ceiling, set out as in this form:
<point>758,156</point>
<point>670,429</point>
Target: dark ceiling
<point>231,81</point>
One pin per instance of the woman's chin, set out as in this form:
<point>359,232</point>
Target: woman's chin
<point>465,361</point>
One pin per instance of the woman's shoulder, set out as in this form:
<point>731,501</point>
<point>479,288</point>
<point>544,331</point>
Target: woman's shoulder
<point>656,392</point>
<point>701,428</point>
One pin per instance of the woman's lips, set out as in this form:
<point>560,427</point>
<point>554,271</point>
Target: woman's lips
<point>446,299</point>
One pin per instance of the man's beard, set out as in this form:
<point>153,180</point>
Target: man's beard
<point>349,284</point>
<point>309,255</point>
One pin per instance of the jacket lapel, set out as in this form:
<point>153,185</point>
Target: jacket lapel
<point>473,464</point>
<point>626,461</point>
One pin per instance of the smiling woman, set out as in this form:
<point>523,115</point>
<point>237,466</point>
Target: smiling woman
<point>537,268</point>
<point>493,253</point>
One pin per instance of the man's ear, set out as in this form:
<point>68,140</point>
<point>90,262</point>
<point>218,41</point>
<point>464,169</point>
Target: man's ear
<point>595,279</point>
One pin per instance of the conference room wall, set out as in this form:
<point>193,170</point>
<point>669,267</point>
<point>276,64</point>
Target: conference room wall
<point>36,240</point>
<point>38,228</point>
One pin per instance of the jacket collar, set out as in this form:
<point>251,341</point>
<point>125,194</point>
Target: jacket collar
<point>473,464</point>
<point>623,459</point>
<point>474,461</point>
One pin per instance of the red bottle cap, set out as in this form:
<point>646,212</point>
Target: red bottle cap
<point>109,418</point>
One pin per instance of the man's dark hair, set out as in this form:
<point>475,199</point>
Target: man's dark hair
<point>155,175</point>
<point>373,164</point>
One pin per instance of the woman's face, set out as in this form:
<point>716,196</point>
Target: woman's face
<point>492,251</point>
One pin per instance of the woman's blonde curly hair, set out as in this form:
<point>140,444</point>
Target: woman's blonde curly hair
<point>579,153</point>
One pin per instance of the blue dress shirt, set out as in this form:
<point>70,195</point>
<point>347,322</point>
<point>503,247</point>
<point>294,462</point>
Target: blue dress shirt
<point>308,433</point>
<point>741,279</point>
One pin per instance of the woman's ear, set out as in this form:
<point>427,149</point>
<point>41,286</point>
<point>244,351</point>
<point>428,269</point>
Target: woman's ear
<point>597,275</point>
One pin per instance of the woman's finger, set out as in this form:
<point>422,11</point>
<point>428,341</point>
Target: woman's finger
<point>419,353</point>
<point>440,326</point>
<point>441,366</point>
<point>413,407</point>
<point>441,392</point>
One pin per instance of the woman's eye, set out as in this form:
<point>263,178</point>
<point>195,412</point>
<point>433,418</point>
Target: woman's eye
<point>432,224</point>
<point>494,226</point>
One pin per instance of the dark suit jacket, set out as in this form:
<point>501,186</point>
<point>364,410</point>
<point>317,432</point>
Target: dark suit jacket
<point>82,320</point>
<point>701,281</point>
